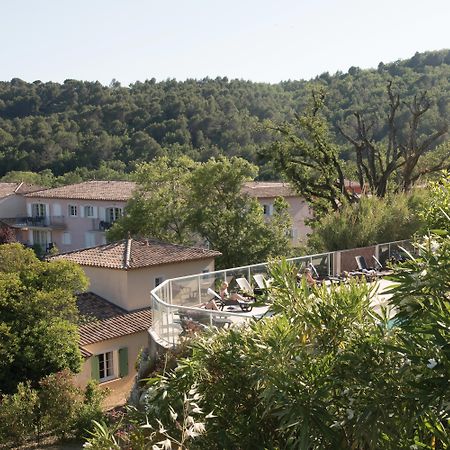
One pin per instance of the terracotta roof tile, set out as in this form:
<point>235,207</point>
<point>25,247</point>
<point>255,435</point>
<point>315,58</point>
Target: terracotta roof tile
<point>108,321</point>
<point>134,254</point>
<point>7,189</point>
<point>92,306</point>
<point>267,189</point>
<point>90,190</point>
<point>114,327</point>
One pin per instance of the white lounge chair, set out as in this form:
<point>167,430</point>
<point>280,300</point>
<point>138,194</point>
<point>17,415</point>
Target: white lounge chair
<point>221,303</point>
<point>245,287</point>
<point>261,281</point>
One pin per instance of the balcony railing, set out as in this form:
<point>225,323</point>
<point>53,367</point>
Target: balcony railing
<point>181,297</point>
<point>54,222</point>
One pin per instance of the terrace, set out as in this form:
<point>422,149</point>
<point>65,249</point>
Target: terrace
<point>176,299</point>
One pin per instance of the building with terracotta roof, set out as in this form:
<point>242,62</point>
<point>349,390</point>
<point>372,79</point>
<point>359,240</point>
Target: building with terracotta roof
<point>116,312</point>
<point>124,272</point>
<point>13,206</point>
<point>267,191</point>
<point>74,216</point>
<point>110,341</point>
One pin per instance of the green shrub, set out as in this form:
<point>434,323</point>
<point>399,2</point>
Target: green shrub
<point>370,221</point>
<point>60,401</point>
<point>90,410</point>
<point>19,414</point>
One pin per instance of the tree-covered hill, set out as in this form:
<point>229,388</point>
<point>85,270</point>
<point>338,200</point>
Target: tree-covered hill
<point>83,124</point>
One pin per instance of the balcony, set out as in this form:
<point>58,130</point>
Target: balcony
<point>100,225</point>
<point>52,223</point>
<point>181,297</point>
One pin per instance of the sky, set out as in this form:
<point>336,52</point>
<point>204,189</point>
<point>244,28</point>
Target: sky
<point>258,40</point>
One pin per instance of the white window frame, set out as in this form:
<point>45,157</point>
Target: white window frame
<point>267,209</point>
<point>71,209</point>
<point>87,209</point>
<point>40,234</point>
<point>114,365</point>
<point>38,210</point>
<point>113,213</point>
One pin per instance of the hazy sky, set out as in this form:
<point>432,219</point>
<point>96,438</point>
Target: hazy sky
<point>259,40</point>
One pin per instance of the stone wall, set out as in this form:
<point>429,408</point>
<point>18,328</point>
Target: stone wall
<point>348,261</point>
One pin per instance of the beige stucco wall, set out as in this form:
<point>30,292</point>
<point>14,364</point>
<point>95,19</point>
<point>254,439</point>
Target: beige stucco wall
<point>299,211</point>
<point>13,206</point>
<point>120,387</point>
<point>110,284</point>
<point>142,281</point>
<point>130,289</point>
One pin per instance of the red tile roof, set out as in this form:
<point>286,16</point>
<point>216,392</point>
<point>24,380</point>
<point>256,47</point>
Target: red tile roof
<point>268,189</point>
<point>134,254</point>
<point>107,321</point>
<point>7,189</point>
<point>90,190</point>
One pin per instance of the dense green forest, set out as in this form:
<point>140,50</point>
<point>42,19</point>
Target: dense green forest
<point>79,124</point>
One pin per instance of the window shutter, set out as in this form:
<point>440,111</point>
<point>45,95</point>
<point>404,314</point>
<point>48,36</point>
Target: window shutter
<point>95,212</point>
<point>123,362</point>
<point>57,209</point>
<point>101,213</point>
<point>82,210</point>
<point>270,210</point>
<point>95,368</point>
<point>29,210</point>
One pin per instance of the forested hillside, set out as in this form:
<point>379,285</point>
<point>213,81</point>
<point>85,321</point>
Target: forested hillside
<point>83,124</point>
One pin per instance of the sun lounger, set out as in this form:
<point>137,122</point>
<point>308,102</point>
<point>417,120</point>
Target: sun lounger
<point>246,288</point>
<point>261,281</point>
<point>221,303</point>
<point>197,320</point>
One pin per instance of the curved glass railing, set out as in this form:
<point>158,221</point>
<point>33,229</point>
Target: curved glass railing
<point>176,303</point>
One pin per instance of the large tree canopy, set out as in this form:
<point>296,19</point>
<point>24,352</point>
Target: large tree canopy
<point>80,124</point>
<point>186,202</point>
<point>306,153</point>
<point>38,314</point>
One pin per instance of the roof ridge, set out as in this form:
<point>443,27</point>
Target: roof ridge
<point>77,250</point>
<point>148,240</point>
<point>127,255</point>
<point>18,187</point>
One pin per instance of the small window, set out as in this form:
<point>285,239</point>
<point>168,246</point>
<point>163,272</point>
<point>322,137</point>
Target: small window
<point>66,238</point>
<point>106,366</point>
<point>158,281</point>
<point>73,211</point>
<point>88,211</point>
<point>268,209</point>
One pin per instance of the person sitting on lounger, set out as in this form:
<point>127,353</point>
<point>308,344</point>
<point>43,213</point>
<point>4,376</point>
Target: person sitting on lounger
<point>211,305</point>
<point>225,295</point>
<point>309,278</point>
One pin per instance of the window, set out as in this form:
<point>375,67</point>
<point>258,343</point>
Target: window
<point>106,366</point>
<point>158,281</point>
<point>38,210</point>
<point>88,211</point>
<point>112,214</point>
<point>41,238</point>
<point>109,365</point>
<point>268,210</point>
<point>66,238</point>
<point>73,211</point>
